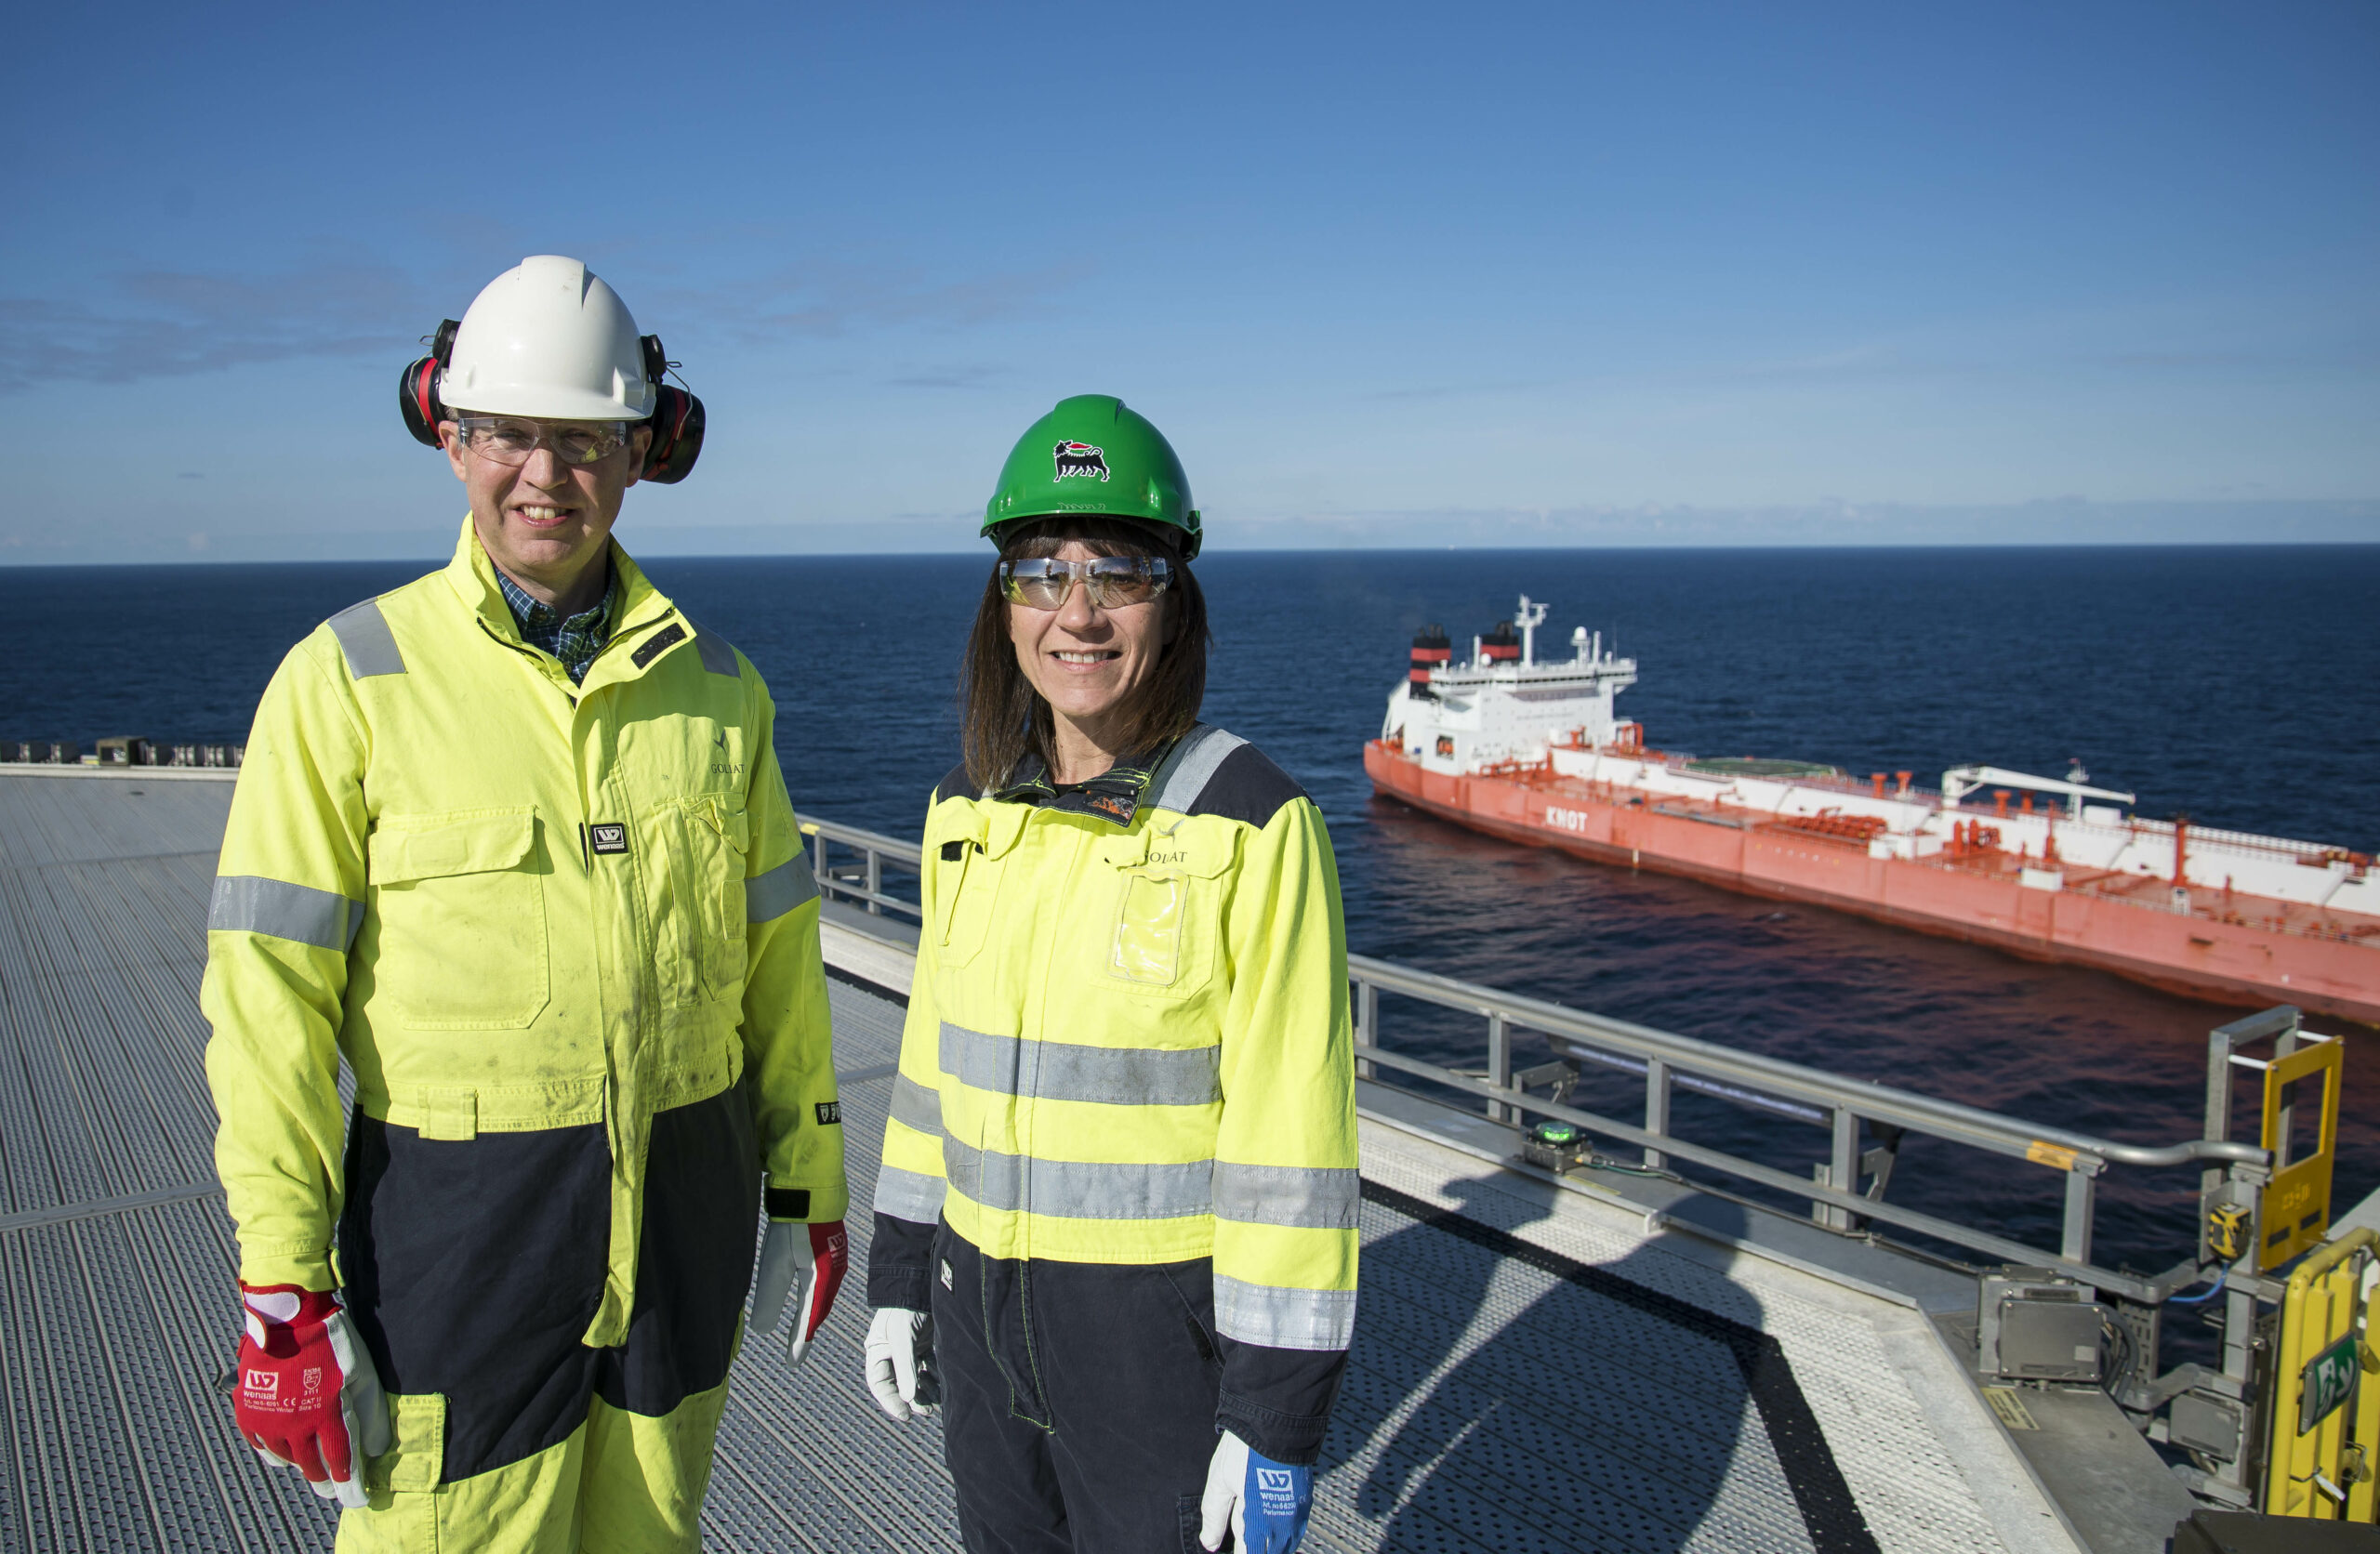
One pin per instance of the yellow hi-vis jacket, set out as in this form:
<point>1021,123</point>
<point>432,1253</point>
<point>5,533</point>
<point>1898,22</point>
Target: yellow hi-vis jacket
<point>511,904</point>
<point>1128,1038</point>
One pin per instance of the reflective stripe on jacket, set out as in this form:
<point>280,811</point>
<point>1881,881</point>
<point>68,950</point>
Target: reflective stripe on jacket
<point>1129,1045</point>
<point>511,903</point>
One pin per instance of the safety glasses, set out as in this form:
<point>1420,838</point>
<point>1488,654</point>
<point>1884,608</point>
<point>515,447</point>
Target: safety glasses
<point>1041,583</point>
<point>508,440</point>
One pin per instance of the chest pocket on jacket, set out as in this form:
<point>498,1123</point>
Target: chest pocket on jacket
<point>461,906</point>
<point>969,843</point>
<point>1168,903</point>
<point>700,946</point>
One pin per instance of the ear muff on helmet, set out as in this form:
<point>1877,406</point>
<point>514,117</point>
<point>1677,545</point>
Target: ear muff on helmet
<point>677,422</point>
<point>417,386</point>
<point>677,426</point>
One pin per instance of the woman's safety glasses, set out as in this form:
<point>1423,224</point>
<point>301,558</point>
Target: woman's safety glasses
<point>1041,582</point>
<point>507,439</point>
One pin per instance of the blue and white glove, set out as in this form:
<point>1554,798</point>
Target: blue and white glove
<point>1263,1503</point>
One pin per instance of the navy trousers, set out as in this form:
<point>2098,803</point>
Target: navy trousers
<point>1079,1401</point>
<point>473,1267</point>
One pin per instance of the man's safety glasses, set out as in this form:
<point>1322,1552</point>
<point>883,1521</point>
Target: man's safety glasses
<point>508,440</point>
<point>1041,583</point>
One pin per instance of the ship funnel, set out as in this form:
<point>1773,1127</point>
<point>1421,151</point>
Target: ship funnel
<point>1431,648</point>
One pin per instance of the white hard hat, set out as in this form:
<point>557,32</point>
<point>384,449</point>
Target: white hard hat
<point>548,339</point>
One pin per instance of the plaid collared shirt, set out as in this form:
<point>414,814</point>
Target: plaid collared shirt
<point>574,639</point>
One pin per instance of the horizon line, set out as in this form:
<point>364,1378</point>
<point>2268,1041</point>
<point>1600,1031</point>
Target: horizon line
<point>429,559</point>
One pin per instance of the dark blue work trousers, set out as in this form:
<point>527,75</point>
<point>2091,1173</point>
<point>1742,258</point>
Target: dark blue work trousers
<point>1079,1400</point>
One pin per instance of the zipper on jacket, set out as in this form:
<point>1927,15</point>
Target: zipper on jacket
<point>585,859</point>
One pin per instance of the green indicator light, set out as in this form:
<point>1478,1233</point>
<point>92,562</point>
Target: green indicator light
<point>1555,1133</point>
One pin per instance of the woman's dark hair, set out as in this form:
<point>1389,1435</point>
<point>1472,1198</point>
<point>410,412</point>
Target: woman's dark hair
<point>1001,717</point>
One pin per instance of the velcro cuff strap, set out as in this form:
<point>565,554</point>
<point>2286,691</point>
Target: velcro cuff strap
<point>788,1202</point>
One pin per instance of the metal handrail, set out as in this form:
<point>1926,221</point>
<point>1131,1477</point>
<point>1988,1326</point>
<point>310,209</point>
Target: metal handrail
<point>2134,1285</point>
<point>1669,1062</point>
<point>911,853</point>
<point>1909,1109</point>
<point>874,848</point>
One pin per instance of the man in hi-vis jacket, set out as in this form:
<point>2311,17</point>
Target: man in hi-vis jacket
<point>511,840</point>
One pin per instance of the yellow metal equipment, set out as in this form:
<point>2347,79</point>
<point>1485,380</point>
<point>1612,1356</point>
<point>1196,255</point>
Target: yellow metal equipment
<point>2325,1422</point>
<point>2226,1232</point>
<point>2296,1209</point>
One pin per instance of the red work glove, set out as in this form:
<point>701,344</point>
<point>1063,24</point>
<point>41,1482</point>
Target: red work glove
<point>308,1396</point>
<point>805,1262</point>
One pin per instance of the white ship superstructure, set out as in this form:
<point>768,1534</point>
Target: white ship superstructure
<point>1503,705</point>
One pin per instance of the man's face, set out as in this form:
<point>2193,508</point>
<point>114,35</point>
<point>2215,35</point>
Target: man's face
<point>545,521</point>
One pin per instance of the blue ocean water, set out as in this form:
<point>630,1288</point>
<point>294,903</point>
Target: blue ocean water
<point>2238,685</point>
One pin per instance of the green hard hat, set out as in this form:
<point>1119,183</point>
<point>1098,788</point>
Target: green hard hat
<point>1095,456</point>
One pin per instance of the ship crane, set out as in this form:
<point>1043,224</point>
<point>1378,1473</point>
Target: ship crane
<point>1960,781</point>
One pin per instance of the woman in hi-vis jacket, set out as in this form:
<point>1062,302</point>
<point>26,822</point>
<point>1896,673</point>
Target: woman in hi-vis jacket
<point>1116,1227</point>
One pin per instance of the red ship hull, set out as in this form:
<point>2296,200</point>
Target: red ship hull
<point>2226,962</point>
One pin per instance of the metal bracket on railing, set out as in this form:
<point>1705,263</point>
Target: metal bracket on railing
<point>1561,1075</point>
<point>1879,1162</point>
<point>1848,1164</point>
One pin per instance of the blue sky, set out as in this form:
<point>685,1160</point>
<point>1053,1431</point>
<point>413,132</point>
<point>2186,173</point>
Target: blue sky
<point>1494,274</point>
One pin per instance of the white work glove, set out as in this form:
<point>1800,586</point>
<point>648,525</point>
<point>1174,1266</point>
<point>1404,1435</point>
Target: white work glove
<point>1264,1503</point>
<point>900,1362</point>
<point>805,1262</point>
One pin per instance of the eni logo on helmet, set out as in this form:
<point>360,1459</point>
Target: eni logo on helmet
<point>1080,458</point>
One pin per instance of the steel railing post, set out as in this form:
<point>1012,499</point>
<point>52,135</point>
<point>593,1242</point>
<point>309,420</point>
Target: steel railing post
<point>1500,1066</point>
<point>1366,1025</point>
<point>1843,1168</point>
<point>2240,1304</point>
<point>2218,1100</point>
<point>2082,1198</point>
<point>876,880</point>
<point>1657,1108</point>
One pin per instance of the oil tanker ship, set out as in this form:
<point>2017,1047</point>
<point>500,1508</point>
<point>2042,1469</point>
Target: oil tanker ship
<point>2050,868</point>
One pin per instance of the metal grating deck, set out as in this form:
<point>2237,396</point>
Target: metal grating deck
<point>1533,1370</point>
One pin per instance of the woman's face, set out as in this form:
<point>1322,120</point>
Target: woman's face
<point>1088,662</point>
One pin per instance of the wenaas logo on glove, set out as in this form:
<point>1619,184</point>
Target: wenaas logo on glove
<point>308,1397</point>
